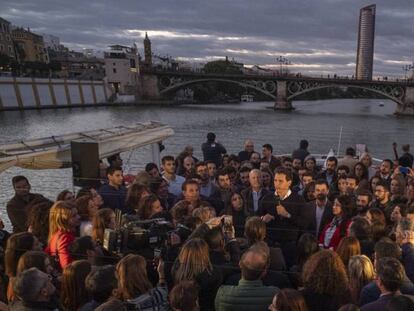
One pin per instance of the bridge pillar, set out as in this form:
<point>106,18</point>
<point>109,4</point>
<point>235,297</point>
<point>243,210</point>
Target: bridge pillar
<point>408,103</point>
<point>282,103</point>
<point>149,87</point>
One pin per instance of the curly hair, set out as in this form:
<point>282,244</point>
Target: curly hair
<point>324,273</point>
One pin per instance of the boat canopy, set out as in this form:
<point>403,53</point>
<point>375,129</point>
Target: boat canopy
<point>55,151</point>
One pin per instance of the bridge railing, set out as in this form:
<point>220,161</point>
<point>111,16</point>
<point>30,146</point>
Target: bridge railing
<point>290,76</point>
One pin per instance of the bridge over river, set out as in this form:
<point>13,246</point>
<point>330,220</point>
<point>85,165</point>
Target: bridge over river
<point>281,89</point>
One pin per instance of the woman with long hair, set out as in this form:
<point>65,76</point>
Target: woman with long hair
<point>306,247</point>
<point>103,219</point>
<point>348,247</point>
<point>17,245</point>
<point>255,232</point>
<point>193,264</point>
<point>63,222</point>
<point>338,188</point>
<point>337,229</point>
<point>361,171</point>
<point>366,159</point>
<point>398,186</point>
<point>288,299</point>
<point>37,259</point>
<point>134,287</point>
<point>237,209</point>
<point>325,282</point>
<point>86,209</point>
<point>360,273</point>
<point>38,220</point>
<point>267,179</point>
<point>149,206</point>
<point>65,195</point>
<point>373,183</point>
<point>136,192</point>
<point>375,214</point>
<point>73,293</point>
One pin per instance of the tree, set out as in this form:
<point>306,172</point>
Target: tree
<point>221,67</point>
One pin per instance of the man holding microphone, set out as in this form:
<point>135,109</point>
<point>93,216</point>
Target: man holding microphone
<point>281,211</point>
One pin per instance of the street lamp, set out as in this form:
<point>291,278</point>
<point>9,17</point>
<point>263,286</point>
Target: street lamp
<point>282,61</point>
<point>408,68</point>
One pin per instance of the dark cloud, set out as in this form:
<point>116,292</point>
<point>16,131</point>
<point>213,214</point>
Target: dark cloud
<point>318,36</point>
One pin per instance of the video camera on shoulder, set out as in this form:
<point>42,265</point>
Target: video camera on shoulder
<point>135,234</point>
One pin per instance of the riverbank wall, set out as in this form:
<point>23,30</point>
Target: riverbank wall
<point>35,93</point>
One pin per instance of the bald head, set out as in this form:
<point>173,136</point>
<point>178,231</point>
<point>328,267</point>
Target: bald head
<point>253,264</point>
<point>249,146</point>
<point>188,163</point>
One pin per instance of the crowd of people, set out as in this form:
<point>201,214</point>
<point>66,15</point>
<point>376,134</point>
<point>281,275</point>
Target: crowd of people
<point>247,231</point>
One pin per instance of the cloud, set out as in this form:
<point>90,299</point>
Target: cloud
<point>318,36</point>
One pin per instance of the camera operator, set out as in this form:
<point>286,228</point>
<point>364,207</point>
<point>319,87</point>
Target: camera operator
<point>103,219</point>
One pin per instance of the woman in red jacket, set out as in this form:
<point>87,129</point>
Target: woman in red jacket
<point>63,221</point>
<point>333,232</point>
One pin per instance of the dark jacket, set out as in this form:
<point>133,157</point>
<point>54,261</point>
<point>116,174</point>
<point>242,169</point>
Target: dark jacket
<point>408,260</point>
<point>247,296</point>
<point>322,175</point>
<point>212,152</point>
<point>300,154</point>
<point>244,155</point>
<point>381,303</point>
<point>18,305</point>
<point>17,211</point>
<point>208,283</point>
<point>274,163</point>
<point>247,195</point>
<point>114,198</point>
<point>371,292</point>
<point>281,229</point>
<point>316,302</point>
<point>308,218</point>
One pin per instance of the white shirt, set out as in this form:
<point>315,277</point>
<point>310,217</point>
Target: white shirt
<point>286,195</point>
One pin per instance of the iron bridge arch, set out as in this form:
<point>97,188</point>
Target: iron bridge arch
<point>395,94</point>
<point>181,84</point>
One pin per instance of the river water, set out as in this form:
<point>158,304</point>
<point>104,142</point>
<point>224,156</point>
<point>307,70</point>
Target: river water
<point>363,121</point>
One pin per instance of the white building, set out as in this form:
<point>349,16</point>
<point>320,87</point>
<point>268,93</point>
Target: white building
<point>122,68</point>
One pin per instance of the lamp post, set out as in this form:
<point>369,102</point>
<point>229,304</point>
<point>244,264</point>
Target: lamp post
<point>282,61</point>
<point>407,68</point>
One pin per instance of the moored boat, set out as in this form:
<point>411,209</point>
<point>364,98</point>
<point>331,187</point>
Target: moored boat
<point>55,151</point>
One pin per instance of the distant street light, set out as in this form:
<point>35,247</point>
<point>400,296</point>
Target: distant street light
<point>408,68</point>
<point>282,61</point>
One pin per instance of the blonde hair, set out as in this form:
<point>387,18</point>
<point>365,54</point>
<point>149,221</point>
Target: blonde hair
<point>368,155</point>
<point>59,216</point>
<point>360,272</point>
<point>193,260</point>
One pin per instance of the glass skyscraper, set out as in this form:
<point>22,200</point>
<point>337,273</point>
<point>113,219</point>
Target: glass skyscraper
<point>366,34</point>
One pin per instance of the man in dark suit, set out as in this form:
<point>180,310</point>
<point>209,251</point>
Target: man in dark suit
<point>390,277</point>
<point>253,196</point>
<point>281,212</point>
<point>329,174</point>
<point>317,214</point>
<point>372,291</point>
